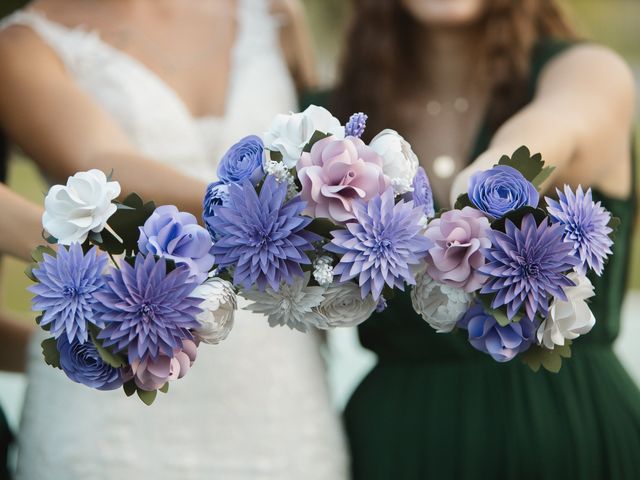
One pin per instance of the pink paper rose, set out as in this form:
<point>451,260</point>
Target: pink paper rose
<point>337,172</point>
<point>151,374</point>
<point>458,236</point>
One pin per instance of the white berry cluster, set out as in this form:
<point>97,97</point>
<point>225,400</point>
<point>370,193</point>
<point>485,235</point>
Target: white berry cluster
<point>323,271</point>
<point>281,174</point>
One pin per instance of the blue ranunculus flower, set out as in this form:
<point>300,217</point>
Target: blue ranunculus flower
<point>488,336</point>
<point>501,189</point>
<point>217,194</point>
<point>82,364</point>
<point>176,235</point>
<point>243,160</point>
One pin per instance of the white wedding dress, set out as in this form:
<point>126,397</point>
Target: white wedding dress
<point>255,407</point>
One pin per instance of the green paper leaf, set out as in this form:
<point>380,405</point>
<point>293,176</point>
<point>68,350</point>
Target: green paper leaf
<point>531,166</point>
<point>322,227</point>
<point>38,254</point>
<point>114,359</point>
<point>129,388</point>
<point>50,352</point>
<point>164,388</point>
<point>550,360</point>
<point>125,223</point>
<point>613,224</point>
<point>275,155</point>
<point>316,137</point>
<point>463,201</point>
<point>516,217</point>
<point>146,396</point>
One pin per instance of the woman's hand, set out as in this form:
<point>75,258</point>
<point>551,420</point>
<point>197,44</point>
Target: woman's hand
<point>580,120</point>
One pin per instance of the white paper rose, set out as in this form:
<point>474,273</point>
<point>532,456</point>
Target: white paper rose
<point>441,306</point>
<point>343,306</point>
<point>81,206</point>
<point>219,305</point>
<point>568,320</point>
<point>400,163</point>
<point>290,133</point>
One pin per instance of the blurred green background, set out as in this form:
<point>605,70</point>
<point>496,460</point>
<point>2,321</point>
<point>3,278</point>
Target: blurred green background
<point>615,23</point>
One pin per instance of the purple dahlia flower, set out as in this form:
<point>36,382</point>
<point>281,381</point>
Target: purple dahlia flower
<point>356,125</point>
<point>585,226</point>
<point>488,336</point>
<point>381,245</point>
<point>66,292</point>
<point>526,266</point>
<point>501,189</point>
<point>146,310</point>
<point>262,236</point>
<point>82,363</point>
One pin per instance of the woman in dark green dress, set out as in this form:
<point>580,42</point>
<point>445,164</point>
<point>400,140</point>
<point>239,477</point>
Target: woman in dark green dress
<point>433,407</point>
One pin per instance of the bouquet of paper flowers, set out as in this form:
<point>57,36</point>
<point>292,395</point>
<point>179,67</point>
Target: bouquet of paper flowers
<point>135,324</point>
<point>510,269</point>
<point>312,224</point>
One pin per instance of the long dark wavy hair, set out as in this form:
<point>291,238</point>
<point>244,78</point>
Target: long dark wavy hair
<point>381,55</point>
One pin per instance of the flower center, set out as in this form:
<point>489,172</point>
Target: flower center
<point>69,292</point>
<point>529,269</point>
<point>146,311</point>
<point>348,178</point>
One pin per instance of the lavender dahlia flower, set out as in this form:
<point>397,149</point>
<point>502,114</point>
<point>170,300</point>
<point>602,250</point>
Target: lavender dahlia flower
<point>501,189</point>
<point>67,288</point>
<point>217,194</point>
<point>82,363</point>
<point>488,336</point>
<point>526,266</point>
<point>381,246</point>
<point>459,237</point>
<point>146,310</point>
<point>177,236</point>
<point>585,226</point>
<point>243,160</point>
<point>261,236</point>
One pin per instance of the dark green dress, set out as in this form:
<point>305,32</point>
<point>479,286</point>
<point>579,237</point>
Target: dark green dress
<point>435,408</point>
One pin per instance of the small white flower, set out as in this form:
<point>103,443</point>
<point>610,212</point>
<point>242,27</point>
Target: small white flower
<point>343,306</point>
<point>292,305</point>
<point>81,206</point>
<point>289,134</point>
<point>568,320</point>
<point>281,174</point>
<point>441,306</point>
<point>219,306</point>
<point>400,164</point>
<point>323,271</point>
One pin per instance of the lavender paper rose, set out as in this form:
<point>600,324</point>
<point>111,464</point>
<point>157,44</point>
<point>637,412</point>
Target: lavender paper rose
<point>177,236</point>
<point>152,373</point>
<point>243,160</point>
<point>456,255</point>
<point>501,189</point>
<point>488,336</point>
<point>82,364</point>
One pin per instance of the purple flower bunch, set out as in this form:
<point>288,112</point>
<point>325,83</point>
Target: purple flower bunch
<point>134,324</point>
<point>522,265</point>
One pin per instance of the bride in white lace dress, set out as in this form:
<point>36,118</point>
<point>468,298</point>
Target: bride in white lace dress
<point>129,95</point>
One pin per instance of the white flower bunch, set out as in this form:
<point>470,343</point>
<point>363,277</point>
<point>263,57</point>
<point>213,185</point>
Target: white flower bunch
<point>441,306</point>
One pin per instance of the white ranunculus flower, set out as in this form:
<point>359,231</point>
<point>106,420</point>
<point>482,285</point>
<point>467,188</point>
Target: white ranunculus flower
<point>568,320</point>
<point>441,306</point>
<point>400,164</point>
<point>292,305</point>
<point>219,306</point>
<point>288,134</point>
<point>343,306</point>
<point>81,206</point>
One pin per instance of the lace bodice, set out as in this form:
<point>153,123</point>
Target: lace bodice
<point>255,407</point>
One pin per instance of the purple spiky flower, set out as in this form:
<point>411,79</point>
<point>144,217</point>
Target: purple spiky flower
<point>262,236</point>
<point>526,266</point>
<point>585,226</point>
<point>356,125</point>
<point>381,245</point>
<point>146,310</point>
<point>67,288</point>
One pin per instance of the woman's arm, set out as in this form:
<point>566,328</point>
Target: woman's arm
<point>580,120</point>
<point>295,41</point>
<point>45,113</point>
<point>20,225</point>
<point>14,340</point>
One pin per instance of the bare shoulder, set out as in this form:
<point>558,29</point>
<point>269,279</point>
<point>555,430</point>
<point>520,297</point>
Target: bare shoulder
<point>593,69</point>
<point>19,43</point>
